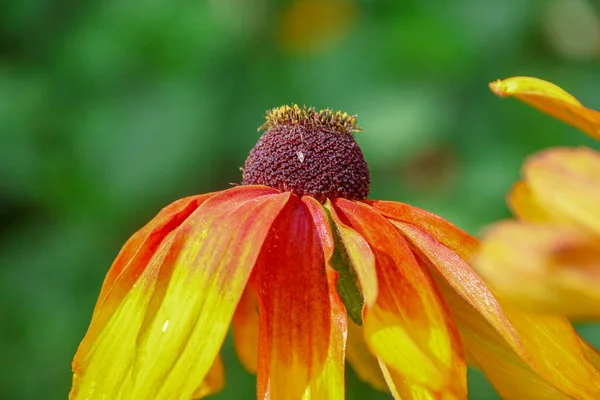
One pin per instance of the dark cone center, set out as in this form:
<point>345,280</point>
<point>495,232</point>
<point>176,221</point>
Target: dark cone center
<point>309,152</point>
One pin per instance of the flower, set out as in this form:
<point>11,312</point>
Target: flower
<point>307,272</point>
<point>548,260</point>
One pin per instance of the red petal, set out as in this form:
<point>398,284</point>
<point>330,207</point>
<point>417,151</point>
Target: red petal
<point>299,326</point>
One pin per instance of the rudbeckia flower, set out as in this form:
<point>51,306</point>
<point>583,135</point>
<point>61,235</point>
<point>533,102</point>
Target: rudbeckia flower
<point>549,259</point>
<point>309,274</point>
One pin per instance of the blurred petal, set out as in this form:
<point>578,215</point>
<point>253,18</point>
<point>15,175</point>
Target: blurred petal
<point>409,329</point>
<point>245,330</point>
<point>544,268</point>
<point>299,327</point>
<point>166,333</point>
<point>362,361</point>
<point>524,204</point>
<point>567,181</point>
<point>442,230</point>
<point>551,100</point>
<point>213,381</point>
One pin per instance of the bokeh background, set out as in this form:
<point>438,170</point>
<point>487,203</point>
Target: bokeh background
<point>110,110</point>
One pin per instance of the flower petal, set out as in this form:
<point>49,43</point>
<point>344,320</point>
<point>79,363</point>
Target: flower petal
<point>443,231</point>
<point>463,280</point>
<point>525,205</point>
<point>245,330</point>
<point>567,181</point>
<point>550,99</point>
<point>409,329</point>
<point>544,268</point>
<point>363,362</point>
<point>299,327</point>
<point>357,249</point>
<point>165,334</point>
<point>330,384</point>
<point>133,259</point>
<point>549,348</point>
<point>501,338</point>
<point>213,381</point>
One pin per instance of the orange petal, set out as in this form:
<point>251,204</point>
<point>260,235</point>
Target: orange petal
<point>525,205</point>
<point>443,231</point>
<point>409,329</point>
<point>550,99</point>
<point>544,268</point>
<point>567,182</point>
<point>245,330</point>
<point>302,331</point>
<point>166,333</point>
<point>463,280</point>
<point>213,381</point>
<point>362,361</point>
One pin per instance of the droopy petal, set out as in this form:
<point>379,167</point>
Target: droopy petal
<point>363,362</point>
<point>442,230</point>
<point>547,347</point>
<point>245,330</point>
<point>544,268</point>
<point>298,324</point>
<point>164,336</point>
<point>459,275</point>
<point>525,205</point>
<point>550,99</point>
<point>330,384</point>
<point>567,182</point>
<point>409,329</point>
<point>133,259</point>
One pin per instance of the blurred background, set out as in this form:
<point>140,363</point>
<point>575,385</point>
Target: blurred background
<point>110,110</point>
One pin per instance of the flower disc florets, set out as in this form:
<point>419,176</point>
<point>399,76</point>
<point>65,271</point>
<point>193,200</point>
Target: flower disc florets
<point>309,152</point>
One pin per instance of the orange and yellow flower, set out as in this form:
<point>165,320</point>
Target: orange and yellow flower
<point>309,274</point>
<point>548,260</point>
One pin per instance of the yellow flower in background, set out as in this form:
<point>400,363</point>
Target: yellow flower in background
<point>309,274</point>
<point>549,259</point>
<point>314,26</point>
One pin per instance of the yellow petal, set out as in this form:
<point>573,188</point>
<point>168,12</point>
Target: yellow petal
<point>409,329</point>
<point>567,182</point>
<point>525,205</point>
<point>551,100</point>
<point>302,328</point>
<point>162,339</point>
<point>245,330</point>
<point>544,268</point>
<point>362,361</point>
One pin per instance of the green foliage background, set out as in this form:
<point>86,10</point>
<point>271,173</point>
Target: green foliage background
<point>110,110</point>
